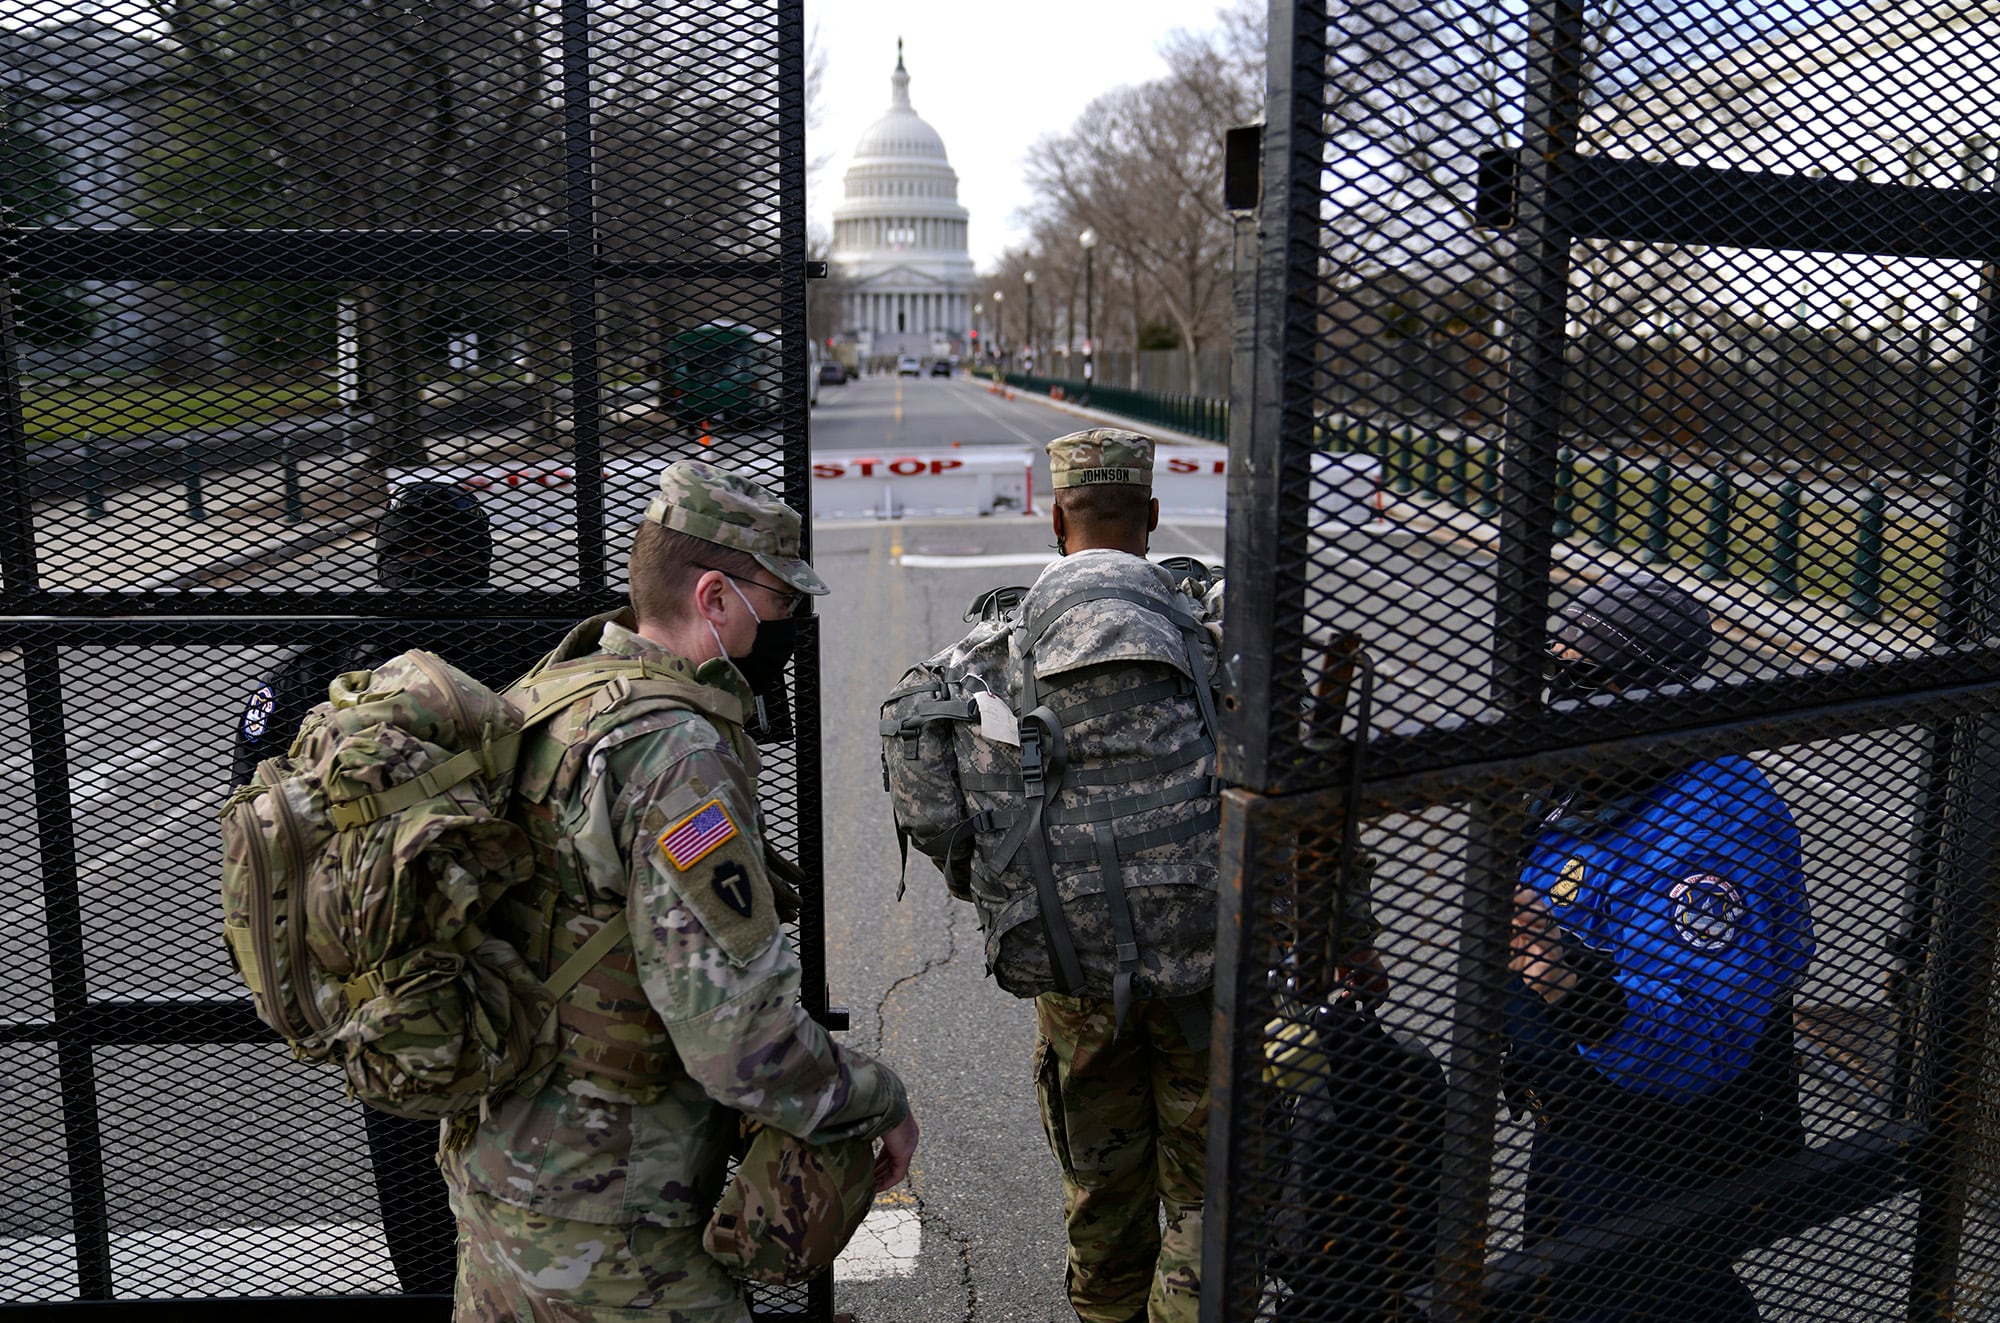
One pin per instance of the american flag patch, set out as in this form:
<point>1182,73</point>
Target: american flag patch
<point>698,835</point>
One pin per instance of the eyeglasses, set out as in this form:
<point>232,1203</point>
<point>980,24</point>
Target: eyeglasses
<point>792,600</point>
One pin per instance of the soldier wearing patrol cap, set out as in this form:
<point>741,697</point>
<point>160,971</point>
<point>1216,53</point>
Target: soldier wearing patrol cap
<point>1113,659</point>
<point>601,1192</point>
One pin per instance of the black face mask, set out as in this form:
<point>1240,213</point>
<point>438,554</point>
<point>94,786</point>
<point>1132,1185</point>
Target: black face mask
<point>763,669</point>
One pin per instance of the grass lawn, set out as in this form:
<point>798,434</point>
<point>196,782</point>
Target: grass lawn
<point>121,412</point>
<point>1913,546</point>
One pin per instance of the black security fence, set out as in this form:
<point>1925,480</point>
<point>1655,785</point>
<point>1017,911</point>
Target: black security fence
<point>1662,323</point>
<point>269,268</point>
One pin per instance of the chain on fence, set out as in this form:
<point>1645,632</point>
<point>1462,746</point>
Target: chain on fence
<point>1655,710</point>
<point>328,332</point>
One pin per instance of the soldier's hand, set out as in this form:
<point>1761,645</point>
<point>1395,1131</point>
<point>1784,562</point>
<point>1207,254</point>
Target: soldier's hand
<point>892,1160</point>
<point>1362,975</point>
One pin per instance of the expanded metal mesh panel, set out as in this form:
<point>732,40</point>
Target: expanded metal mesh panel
<point>1572,294</point>
<point>1688,915</point>
<point>269,271</point>
<point>1781,1111</point>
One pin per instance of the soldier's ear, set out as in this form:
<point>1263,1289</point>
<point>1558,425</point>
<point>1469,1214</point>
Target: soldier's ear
<point>708,604</point>
<point>1153,515</point>
<point>1057,523</point>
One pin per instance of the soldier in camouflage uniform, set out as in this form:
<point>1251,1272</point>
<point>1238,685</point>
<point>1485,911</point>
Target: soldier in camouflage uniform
<point>586,1198</point>
<point>1125,1105</point>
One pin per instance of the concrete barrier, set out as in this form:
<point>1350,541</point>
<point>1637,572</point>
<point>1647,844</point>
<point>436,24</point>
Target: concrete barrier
<point>1194,480</point>
<point>889,485</point>
<point>1188,480</point>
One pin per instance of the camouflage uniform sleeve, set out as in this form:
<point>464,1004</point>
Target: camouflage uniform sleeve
<point>721,972</point>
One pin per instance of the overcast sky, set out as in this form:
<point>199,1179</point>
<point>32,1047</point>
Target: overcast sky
<point>990,79</point>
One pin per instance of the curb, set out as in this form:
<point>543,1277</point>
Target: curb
<point>1799,630</point>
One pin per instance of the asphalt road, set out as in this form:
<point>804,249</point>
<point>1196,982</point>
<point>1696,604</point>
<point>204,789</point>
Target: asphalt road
<point>202,1142</point>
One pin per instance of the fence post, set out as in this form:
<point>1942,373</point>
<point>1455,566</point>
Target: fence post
<point>93,479</point>
<point>1427,461</point>
<point>1455,464</point>
<point>191,462</point>
<point>1405,443</point>
<point>1721,507</point>
<point>1607,502</point>
<point>1785,555</point>
<point>1489,479</point>
<point>1565,491</point>
<point>295,506</point>
<point>1660,518</point>
<point>1866,599</point>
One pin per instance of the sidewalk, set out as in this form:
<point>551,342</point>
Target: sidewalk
<point>1819,632</point>
<point>145,540</point>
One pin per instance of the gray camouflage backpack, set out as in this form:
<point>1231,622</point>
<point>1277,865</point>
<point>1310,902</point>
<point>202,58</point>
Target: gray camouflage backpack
<point>1058,764</point>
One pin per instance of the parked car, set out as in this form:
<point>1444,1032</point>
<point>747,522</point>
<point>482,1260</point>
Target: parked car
<point>940,367</point>
<point>908,366</point>
<point>831,373</point>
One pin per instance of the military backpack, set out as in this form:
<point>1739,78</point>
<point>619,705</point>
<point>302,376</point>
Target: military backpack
<point>1059,766</point>
<point>381,902</point>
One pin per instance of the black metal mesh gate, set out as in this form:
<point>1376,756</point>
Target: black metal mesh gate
<point>1691,957</point>
<point>268,266</point>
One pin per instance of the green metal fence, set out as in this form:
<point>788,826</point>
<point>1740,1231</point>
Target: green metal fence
<point>1780,530</point>
<point>1192,414</point>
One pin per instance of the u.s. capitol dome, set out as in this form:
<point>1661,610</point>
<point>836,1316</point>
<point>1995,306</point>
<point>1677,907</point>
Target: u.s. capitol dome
<point>899,238</point>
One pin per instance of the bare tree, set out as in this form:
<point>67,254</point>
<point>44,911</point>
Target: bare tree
<point>352,115</point>
<point>1143,167</point>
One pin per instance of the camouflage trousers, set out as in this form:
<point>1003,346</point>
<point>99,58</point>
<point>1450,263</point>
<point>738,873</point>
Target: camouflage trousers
<point>520,1266</point>
<point>1127,1120</point>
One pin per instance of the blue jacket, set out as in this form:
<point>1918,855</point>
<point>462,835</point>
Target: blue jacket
<point>1693,896</point>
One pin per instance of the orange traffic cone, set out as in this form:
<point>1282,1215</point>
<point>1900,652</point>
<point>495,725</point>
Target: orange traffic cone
<point>707,432</point>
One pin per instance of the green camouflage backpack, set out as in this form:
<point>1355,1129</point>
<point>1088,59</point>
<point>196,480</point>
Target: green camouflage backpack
<point>365,875</point>
<point>1059,766</point>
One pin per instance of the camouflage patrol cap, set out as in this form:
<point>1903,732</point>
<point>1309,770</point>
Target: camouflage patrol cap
<point>792,1206</point>
<point>722,506</point>
<point>1100,455</point>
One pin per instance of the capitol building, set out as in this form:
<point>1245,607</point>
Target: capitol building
<point>899,239</point>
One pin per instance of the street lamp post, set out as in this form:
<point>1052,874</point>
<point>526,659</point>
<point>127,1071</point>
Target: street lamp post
<point>1028,279</point>
<point>1089,241</point>
<point>978,319</point>
<point>1000,327</point>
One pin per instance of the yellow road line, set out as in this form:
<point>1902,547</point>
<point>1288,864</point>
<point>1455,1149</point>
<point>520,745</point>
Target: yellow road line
<point>899,401</point>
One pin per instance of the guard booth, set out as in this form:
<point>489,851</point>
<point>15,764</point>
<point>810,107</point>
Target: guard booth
<point>259,260</point>
<point>1613,291</point>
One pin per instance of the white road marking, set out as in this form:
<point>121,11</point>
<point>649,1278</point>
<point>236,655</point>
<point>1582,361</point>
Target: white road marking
<point>887,1243</point>
<point>990,412</point>
<point>917,560</point>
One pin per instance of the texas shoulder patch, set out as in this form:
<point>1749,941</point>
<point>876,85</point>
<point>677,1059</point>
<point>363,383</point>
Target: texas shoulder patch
<point>698,835</point>
<point>1708,911</point>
